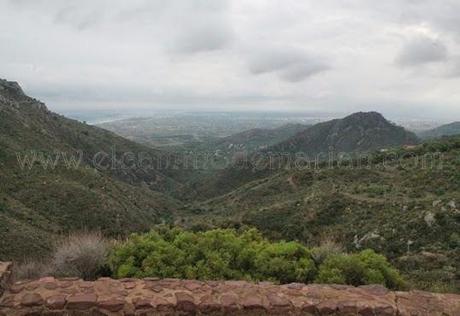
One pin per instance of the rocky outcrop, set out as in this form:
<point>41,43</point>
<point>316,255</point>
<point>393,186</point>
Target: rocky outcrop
<point>11,87</point>
<point>151,296</point>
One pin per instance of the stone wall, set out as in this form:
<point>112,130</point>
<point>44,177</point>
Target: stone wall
<point>150,296</point>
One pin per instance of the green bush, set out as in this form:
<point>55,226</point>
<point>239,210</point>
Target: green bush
<point>226,254</point>
<point>215,254</point>
<point>326,249</point>
<point>285,262</point>
<point>365,267</point>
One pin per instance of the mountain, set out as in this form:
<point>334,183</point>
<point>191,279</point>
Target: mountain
<point>259,138</point>
<point>444,130</point>
<point>59,175</point>
<point>359,132</point>
<point>247,141</point>
<point>405,210</point>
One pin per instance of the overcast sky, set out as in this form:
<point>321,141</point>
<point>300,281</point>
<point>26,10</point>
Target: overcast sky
<point>399,57</point>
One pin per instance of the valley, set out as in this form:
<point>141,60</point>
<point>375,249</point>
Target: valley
<point>383,188</point>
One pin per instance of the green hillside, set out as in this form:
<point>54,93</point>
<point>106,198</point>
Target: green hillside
<point>43,193</point>
<point>444,130</point>
<point>60,175</point>
<point>356,134</point>
<point>407,212</point>
<point>247,141</point>
<point>359,132</point>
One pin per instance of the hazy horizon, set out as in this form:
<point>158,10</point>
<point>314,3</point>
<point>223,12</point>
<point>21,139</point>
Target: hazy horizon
<point>400,58</point>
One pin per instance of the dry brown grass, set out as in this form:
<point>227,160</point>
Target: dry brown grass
<point>327,248</point>
<point>30,270</point>
<point>81,255</point>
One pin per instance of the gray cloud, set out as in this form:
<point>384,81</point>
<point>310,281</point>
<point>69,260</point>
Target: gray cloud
<point>422,50</point>
<point>236,54</point>
<point>201,36</point>
<point>453,67</point>
<point>290,65</point>
<point>79,19</point>
<point>302,71</point>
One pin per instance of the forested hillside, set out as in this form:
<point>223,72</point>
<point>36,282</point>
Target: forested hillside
<point>46,189</point>
<point>403,204</point>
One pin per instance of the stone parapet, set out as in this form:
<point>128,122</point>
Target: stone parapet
<point>151,296</point>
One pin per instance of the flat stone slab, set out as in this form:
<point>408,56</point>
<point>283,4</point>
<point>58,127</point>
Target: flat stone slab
<point>70,296</point>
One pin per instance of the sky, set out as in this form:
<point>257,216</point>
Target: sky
<point>398,57</point>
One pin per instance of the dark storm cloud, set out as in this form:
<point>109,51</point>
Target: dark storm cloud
<point>422,50</point>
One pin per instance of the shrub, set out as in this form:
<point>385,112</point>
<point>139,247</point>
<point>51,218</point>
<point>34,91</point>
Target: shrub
<point>327,248</point>
<point>215,254</point>
<point>285,262</point>
<point>365,267</point>
<point>81,255</point>
<point>221,254</point>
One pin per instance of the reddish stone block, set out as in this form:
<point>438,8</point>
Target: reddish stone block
<point>192,286</point>
<point>86,285</point>
<point>277,301</point>
<point>229,300</point>
<point>16,288</point>
<point>81,301</point>
<point>50,285</point>
<point>56,302</point>
<point>47,279</point>
<point>32,299</point>
<point>185,302</point>
<point>32,286</point>
<point>366,311</point>
<point>161,303</point>
<point>327,307</point>
<point>112,305</point>
<point>252,301</point>
<point>142,303</point>
<point>384,310</point>
<point>65,284</point>
<point>155,288</point>
<point>309,308</point>
<point>348,307</point>
<point>129,285</point>
<point>208,304</point>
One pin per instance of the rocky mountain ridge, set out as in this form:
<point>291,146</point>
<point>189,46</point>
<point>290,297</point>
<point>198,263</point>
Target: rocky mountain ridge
<point>358,132</point>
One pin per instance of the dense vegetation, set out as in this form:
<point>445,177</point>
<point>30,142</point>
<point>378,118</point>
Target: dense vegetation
<point>223,254</point>
<point>40,199</point>
<point>405,209</point>
<point>359,132</point>
<point>403,205</point>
